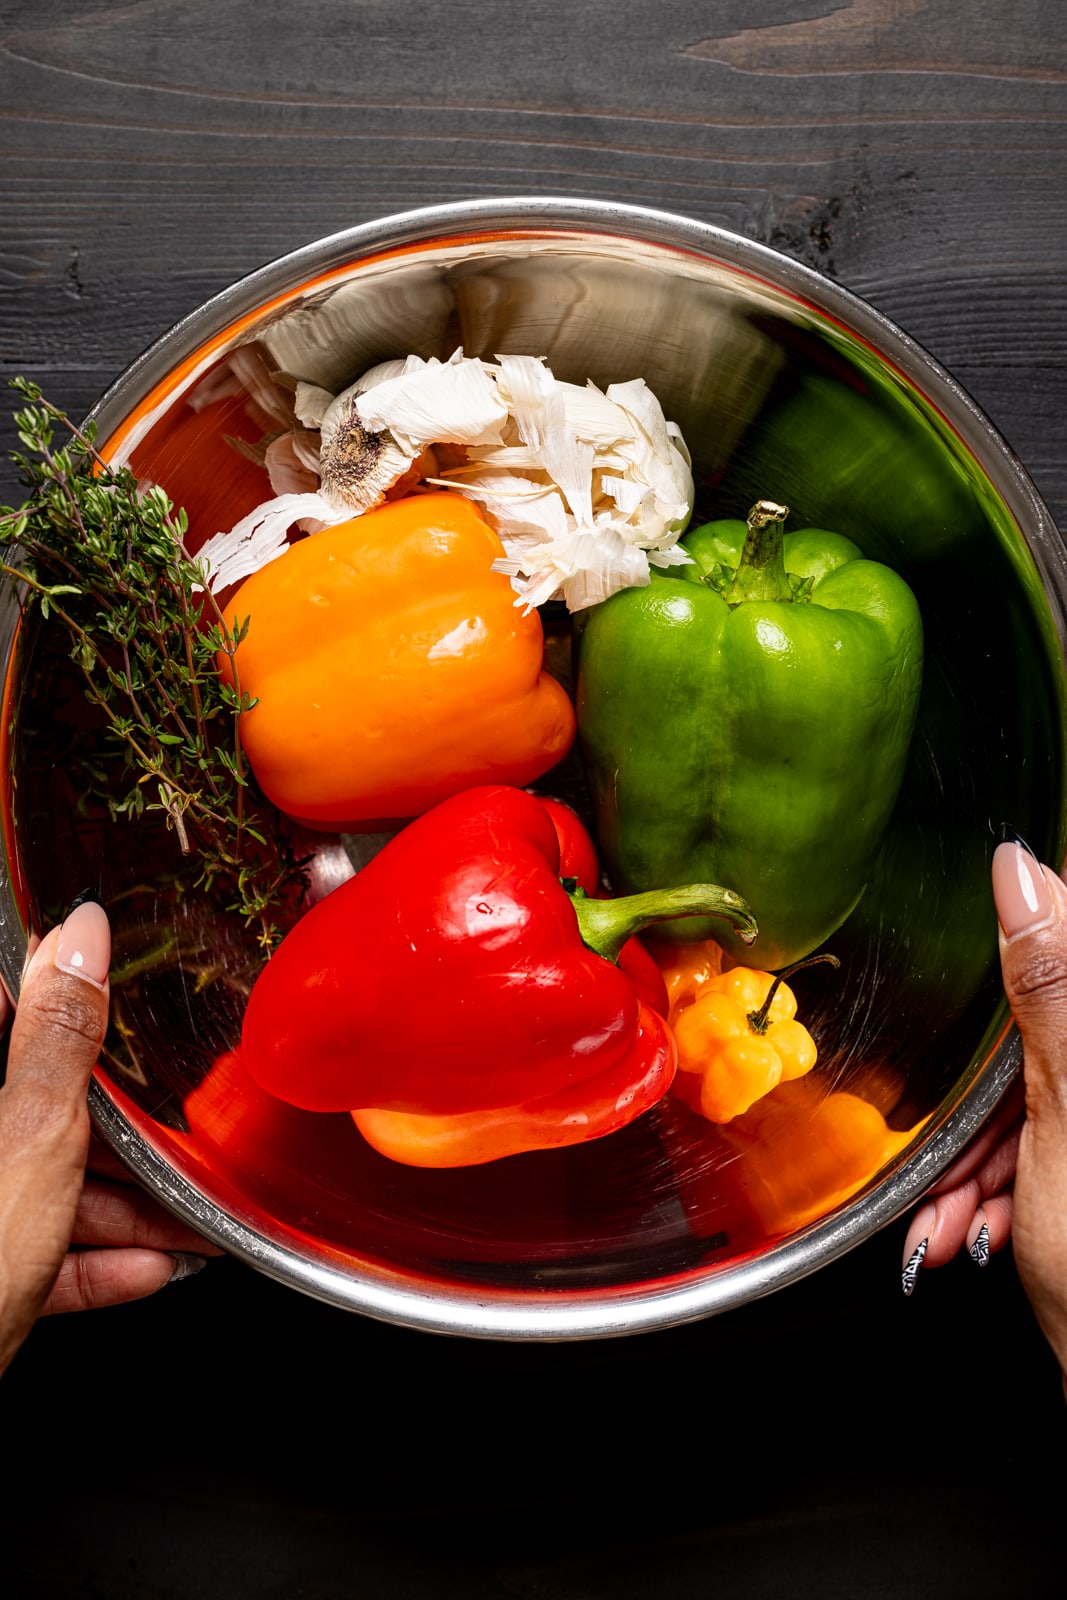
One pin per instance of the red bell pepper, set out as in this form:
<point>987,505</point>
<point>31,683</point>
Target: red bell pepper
<point>577,852</point>
<point>456,974</point>
<point>578,860</point>
<point>573,1115</point>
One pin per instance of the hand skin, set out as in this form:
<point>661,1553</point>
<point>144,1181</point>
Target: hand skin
<point>1033,953</point>
<point>126,1246</point>
<point>1015,1177</point>
<point>976,1190</point>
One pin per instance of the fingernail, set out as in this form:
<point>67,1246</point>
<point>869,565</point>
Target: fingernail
<point>185,1265</point>
<point>84,945</point>
<point>81,899</point>
<point>909,1277</point>
<point>31,947</point>
<point>978,1249</point>
<point>1021,894</point>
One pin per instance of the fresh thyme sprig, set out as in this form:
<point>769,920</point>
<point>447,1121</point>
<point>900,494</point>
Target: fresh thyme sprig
<point>106,559</point>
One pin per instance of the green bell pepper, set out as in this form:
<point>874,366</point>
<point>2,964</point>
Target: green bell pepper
<point>745,720</point>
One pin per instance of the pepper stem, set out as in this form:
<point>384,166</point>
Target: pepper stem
<point>761,574</point>
<point>607,924</point>
<point>757,1020</point>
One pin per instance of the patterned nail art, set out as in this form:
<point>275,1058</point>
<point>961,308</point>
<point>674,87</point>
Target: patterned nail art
<point>186,1265</point>
<point>979,1250</point>
<point>909,1276</point>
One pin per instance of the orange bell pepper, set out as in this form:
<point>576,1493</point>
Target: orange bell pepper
<point>391,668</point>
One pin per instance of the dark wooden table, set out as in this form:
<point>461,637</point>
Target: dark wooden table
<point>231,1438</point>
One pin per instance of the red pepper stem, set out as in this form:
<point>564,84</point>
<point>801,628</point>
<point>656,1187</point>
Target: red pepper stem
<point>607,924</point>
<point>761,573</point>
<point>757,1020</point>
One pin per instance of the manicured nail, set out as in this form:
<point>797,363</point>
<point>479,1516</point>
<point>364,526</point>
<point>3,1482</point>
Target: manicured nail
<point>185,1265</point>
<point>81,899</point>
<point>1022,896</point>
<point>84,945</point>
<point>910,1276</point>
<point>978,1249</point>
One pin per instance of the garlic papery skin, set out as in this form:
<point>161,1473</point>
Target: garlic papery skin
<point>590,489</point>
<point>586,488</point>
<point>437,402</point>
<point>358,461</point>
<point>259,538</point>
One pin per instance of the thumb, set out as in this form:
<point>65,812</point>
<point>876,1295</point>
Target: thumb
<point>62,1011</point>
<point>59,1026</point>
<point>1031,904</point>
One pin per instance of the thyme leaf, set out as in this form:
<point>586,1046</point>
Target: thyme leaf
<point>104,558</point>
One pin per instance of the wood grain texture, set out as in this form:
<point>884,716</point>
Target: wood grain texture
<point>155,151</point>
<point>841,1441</point>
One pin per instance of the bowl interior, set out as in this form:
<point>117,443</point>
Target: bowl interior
<point>785,387</point>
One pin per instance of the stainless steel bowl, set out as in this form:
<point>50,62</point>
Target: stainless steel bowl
<point>786,385</point>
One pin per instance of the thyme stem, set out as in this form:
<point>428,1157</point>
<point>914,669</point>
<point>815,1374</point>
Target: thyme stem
<point>107,561</point>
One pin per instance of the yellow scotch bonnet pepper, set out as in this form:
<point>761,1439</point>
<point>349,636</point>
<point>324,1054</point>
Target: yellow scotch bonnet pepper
<point>391,668</point>
<point>739,1038</point>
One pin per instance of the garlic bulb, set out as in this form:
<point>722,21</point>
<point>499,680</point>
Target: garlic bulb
<point>586,488</point>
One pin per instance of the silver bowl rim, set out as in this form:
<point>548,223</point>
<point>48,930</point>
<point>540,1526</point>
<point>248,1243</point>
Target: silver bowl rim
<point>481,1311</point>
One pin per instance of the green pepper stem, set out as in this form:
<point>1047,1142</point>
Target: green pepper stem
<point>607,924</point>
<point>757,1020</point>
<point>761,574</point>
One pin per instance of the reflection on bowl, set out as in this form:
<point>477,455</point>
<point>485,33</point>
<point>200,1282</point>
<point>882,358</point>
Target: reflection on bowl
<point>783,385</point>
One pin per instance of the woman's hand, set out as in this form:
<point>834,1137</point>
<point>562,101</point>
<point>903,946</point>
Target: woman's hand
<point>971,1205</point>
<point>126,1246</point>
<point>1014,1180</point>
<point>1032,910</point>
